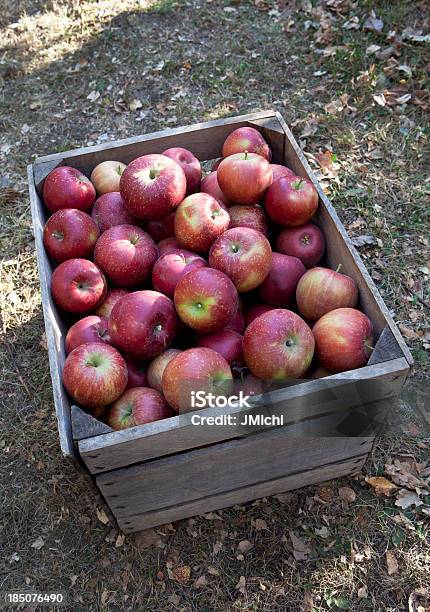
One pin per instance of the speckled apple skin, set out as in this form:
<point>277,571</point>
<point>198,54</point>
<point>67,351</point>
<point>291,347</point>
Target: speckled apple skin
<point>211,186</point>
<point>226,342</point>
<point>306,242</point>
<point>249,266</point>
<point>193,370</point>
<point>244,177</point>
<point>70,233</point>
<point>265,350</point>
<point>248,216</point>
<point>255,311</point>
<point>88,329</point>
<point>278,171</point>
<point>155,198</point>
<point>246,139</point>
<point>199,220</point>
<point>112,296</point>
<point>66,187</point>
<point>95,386</point>
<point>215,291</point>
<point>158,365</point>
<point>171,267</point>
<point>321,290</point>
<point>146,406</point>
<point>136,373</point>
<point>237,323</point>
<point>109,210</point>
<point>65,289</point>
<point>167,245</point>
<point>134,321</point>
<point>189,164</point>
<point>279,286</point>
<point>343,339</point>
<point>288,206</point>
<point>126,254</point>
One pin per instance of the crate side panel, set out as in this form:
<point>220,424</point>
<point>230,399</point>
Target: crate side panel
<point>139,521</point>
<point>54,326</point>
<point>227,466</point>
<point>304,401</point>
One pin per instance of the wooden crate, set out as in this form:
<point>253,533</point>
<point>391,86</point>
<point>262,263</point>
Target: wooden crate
<point>169,470</point>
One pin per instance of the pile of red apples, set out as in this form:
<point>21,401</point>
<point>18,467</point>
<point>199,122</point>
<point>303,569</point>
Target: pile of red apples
<point>175,280</point>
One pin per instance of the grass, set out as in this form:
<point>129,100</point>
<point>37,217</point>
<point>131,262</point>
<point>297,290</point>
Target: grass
<point>189,61</point>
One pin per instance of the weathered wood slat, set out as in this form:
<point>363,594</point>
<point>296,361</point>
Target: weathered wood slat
<point>386,348</point>
<point>226,466</point>
<point>299,402</point>
<point>86,426</point>
<point>54,327</point>
<point>340,248</point>
<point>139,521</point>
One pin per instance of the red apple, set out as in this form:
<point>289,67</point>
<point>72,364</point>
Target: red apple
<point>126,254</point>
<point>206,300</point>
<point>306,242</point>
<point>162,228</point>
<point>106,176</point>
<point>88,329</point>
<point>279,171</point>
<point>77,285</point>
<point>255,311</point>
<point>321,290</point>
<point>70,233</point>
<point>343,339</point>
<point>246,139</point>
<point>171,267</point>
<point>143,324</point>
<point>158,365</point>
<point>189,164</point>
<point>237,324</point>
<point>197,369</point>
<point>244,177</point>
<point>66,187</point>
<point>109,210</point>
<point>137,406</point>
<point>112,296</point>
<point>244,255</point>
<point>152,186</point>
<point>199,220</point>
<point>279,287</point>
<point>136,373</point>
<point>321,373</point>
<point>167,245</point>
<point>291,202</point>
<point>278,345</point>
<point>248,216</point>
<point>95,374</point>
<point>226,342</point>
<point>210,185</point>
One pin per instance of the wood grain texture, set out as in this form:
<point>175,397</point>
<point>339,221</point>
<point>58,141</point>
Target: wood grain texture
<point>145,520</point>
<point>340,248</point>
<point>386,348</point>
<point>224,467</point>
<point>54,326</point>
<point>86,426</point>
<point>300,402</point>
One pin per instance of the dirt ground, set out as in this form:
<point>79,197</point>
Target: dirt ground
<point>351,78</point>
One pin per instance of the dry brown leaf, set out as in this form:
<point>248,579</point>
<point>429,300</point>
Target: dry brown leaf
<point>181,574</point>
<point>244,546</point>
<point>408,332</point>
<point>102,516</point>
<point>373,23</point>
<point>300,549</point>
<point>259,524</point>
<point>38,543</point>
<point>200,582</point>
<point>381,485</point>
<point>135,105</point>
<point>241,585</point>
<point>362,592</point>
<point>347,494</point>
<point>146,539</point>
<point>391,561</point>
<point>336,106</point>
<point>406,498</point>
<point>120,540</point>
<point>213,570</point>
<point>308,602</point>
<point>217,547</point>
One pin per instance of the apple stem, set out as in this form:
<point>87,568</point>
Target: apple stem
<point>246,154</point>
<point>369,346</point>
<point>298,184</point>
<point>339,267</point>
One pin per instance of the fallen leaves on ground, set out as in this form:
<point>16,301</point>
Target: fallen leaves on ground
<point>406,499</point>
<point>301,550</point>
<point>146,539</point>
<point>38,543</point>
<point>241,585</point>
<point>259,524</point>
<point>381,485</point>
<point>200,582</point>
<point>365,240</point>
<point>391,561</point>
<point>102,516</point>
<point>347,494</point>
<point>244,546</point>
<point>337,106</point>
<point>181,573</point>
